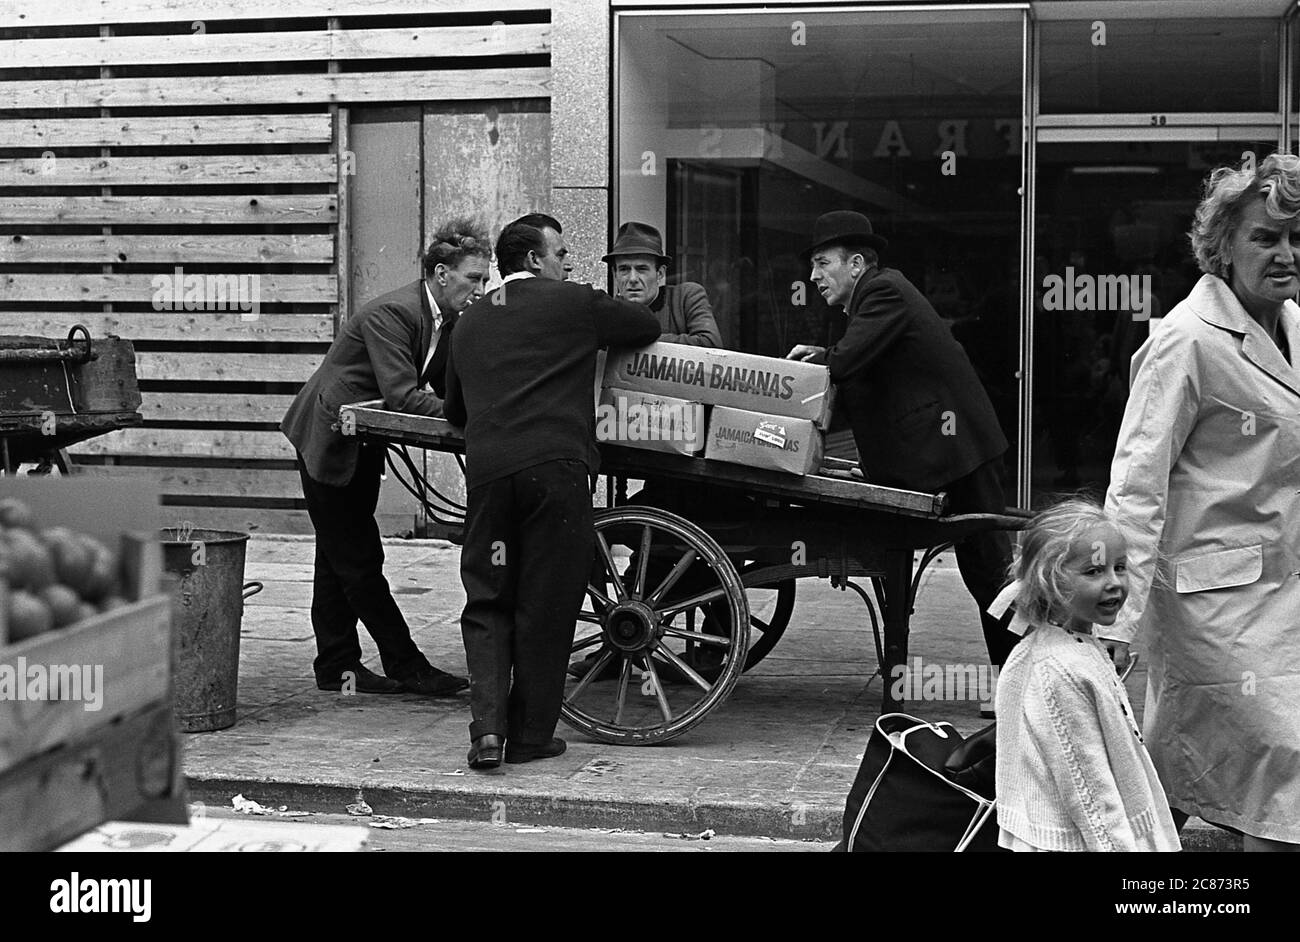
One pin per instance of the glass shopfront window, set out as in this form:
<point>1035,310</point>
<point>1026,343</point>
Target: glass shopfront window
<point>1112,256</point>
<point>736,130</point>
<point>1158,66</point>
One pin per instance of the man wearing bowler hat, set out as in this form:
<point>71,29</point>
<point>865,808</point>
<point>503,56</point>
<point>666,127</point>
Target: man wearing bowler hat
<point>920,416</point>
<point>640,270</point>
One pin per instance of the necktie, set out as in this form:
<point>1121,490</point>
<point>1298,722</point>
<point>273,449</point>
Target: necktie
<point>436,374</point>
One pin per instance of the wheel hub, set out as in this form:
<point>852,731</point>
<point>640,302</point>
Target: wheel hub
<point>632,627</point>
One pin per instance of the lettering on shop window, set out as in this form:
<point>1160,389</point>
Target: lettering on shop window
<point>834,140</point>
<point>836,136</point>
<point>891,140</point>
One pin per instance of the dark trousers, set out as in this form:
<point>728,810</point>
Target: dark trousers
<point>529,543</point>
<point>348,583</point>
<point>983,559</point>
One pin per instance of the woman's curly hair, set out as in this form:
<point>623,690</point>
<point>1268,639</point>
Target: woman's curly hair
<point>1277,179</point>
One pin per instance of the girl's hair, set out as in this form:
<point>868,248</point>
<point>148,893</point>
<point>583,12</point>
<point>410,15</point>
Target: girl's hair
<point>1277,179</point>
<point>1044,548</point>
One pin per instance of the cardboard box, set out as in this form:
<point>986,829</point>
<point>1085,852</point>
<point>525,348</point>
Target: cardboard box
<point>776,442</point>
<point>656,423</point>
<point>724,378</point>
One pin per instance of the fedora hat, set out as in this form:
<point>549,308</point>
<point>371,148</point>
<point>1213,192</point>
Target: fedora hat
<point>637,238</point>
<point>844,227</point>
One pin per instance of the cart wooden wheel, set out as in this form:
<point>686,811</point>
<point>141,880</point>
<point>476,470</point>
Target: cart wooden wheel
<point>770,607</point>
<point>639,616</point>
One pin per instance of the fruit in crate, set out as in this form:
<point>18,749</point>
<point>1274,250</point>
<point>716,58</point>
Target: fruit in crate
<point>54,577</point>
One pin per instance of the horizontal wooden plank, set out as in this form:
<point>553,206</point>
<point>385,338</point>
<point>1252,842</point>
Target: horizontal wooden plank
<point>191,443</point>
<point>167,210</point>
<point>223,326</point>
<point>252,169</point>
<point>213,407</point>
<point>206,292</point>
<point>339,87</point>
<point>242,249</point>
<point>244,367</point>
<point>209,482</point>
<point>185,12</point>
<point>192,47</point>
<point>252,520</point>
<point>167,131</point>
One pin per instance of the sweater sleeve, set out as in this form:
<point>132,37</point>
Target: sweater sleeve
<point>1068,732</point>
<point>622,323</point>
<point>453,409</point>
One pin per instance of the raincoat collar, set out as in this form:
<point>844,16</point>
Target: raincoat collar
<point>1213,302</point>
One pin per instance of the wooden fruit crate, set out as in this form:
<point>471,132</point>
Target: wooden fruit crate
<point>66,768</point>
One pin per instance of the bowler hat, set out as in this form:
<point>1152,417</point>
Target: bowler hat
<point>637,238</point>
<point>844,227</point>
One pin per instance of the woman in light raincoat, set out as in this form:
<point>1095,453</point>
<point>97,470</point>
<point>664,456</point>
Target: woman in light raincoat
<point>1206,485</point>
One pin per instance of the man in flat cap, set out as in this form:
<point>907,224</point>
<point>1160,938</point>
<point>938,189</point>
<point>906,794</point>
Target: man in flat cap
<point>920,416</point>
<point>640,270</point>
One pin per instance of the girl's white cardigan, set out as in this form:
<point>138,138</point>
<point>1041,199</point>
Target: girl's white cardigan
<point>1072,770</point>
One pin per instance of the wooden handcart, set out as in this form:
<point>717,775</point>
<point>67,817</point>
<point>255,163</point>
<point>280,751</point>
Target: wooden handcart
<point>55,393</point>
<point>678,608</point>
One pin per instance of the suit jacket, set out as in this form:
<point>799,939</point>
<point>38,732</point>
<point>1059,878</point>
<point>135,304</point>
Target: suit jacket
<point>685,316</point>
<point>377,355</point>
<point>920,415</point>
<point>521,369</point>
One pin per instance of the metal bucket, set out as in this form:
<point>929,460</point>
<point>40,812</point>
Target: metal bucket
<point>207,608</point>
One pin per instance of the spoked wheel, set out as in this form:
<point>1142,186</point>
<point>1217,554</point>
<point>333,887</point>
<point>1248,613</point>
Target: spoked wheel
<point>655,673</point>
<point>770,607</point>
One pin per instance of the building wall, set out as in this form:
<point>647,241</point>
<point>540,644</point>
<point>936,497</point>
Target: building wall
<point>142,136</point>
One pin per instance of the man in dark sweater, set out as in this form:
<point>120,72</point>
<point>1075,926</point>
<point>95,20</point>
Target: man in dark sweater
<point>519,381</point>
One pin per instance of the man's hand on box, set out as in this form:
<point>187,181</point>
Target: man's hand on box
<point>805,351</point>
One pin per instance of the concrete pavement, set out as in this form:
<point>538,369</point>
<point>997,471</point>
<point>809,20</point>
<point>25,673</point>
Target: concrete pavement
<point>776,759</point>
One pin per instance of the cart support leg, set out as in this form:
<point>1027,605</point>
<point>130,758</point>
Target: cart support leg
<point>898,590</point>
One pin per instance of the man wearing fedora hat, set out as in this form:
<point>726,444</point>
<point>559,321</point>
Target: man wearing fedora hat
<point>920,415</point>
<point>640,269</point>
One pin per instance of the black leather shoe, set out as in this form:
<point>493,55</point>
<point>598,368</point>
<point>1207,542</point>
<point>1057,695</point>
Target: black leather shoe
<point>431,682</point>
<point>517,754</point>
<point>365,681</point>
<point>485,752</point>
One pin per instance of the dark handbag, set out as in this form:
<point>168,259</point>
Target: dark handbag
<point>972,764</point>
<point>902,799</point>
